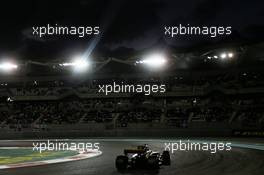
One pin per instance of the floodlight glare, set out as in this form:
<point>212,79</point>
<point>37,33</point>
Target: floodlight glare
<point>8,66</point>
<point>67,64</point>
<point>230,55</point>
<point>223,55</point>
<point>80,64</point>
<point>155,60</point>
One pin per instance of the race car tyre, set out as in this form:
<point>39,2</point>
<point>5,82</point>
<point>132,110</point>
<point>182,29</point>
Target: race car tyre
<point>121,162</point>
<point>166,158</point>
<point>153,162</point>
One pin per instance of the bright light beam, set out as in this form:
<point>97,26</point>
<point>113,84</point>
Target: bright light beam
<point>110,15</point>
<point>8,66</point>
<point>223,55</point>
<point>230,55</point>
<point>80,65</point>
<point>154,60</point>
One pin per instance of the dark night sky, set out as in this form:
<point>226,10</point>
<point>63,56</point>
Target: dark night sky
<point>136,24</point>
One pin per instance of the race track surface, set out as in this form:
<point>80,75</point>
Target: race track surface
<point>238,161</point>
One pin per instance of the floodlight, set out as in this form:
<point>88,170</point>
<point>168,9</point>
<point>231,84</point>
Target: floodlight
<point>154,60</point>
<point>230,55</point>
<point>80,64</point>
<point>223,55</point>
<point>67,64</point>
<point>7,66</point>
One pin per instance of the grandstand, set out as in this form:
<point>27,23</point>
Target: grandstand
<point>200,96</point>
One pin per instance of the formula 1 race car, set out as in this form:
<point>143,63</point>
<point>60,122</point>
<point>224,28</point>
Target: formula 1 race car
<point>142,157</point>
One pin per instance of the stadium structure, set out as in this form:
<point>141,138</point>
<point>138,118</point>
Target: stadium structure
<point>211,92</point>
<point>220,90</point>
